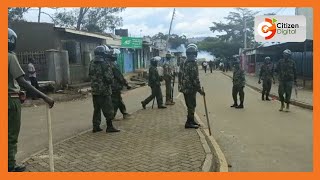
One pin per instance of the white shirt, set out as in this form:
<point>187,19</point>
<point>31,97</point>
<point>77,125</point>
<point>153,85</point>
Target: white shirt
<point>31,68</point>
<point>205,63</point>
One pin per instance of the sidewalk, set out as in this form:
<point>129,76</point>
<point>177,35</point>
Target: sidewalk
<point>304,99</point>
<point>153,140</point>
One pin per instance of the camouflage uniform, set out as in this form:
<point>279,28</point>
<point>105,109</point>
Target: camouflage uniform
<point>167,76</point>
<point>190,85</point>
<point>14,108</point>
<point>238,85</point>
<point>286,70</point>
<point>117,86</point>
<point>100,72</point>
<point>154,83</point>
<point>266,74</point>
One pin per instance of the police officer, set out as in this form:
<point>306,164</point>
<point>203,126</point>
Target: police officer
<point>190,84</point>
<point>287,75</point>
<point>266,74</point>
<point>238,85</point>
<point>154,83</point>
<point>168,76</point>
<point>117,86</point>
<point>101,75</point>
<point>15,98</point>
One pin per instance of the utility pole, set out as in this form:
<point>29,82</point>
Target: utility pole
<point>39,15</point>
<point>174,10</point>
<point>245,32</point>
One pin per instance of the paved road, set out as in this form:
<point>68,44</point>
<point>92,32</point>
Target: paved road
<point>259,137</point>
<point>68,119</point>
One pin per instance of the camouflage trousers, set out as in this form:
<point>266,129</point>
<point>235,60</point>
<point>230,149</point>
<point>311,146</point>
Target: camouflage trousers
<point>118,103</point>
<point>266,87</point>
<point>191,103</point>
<point>168,81</point>
<point>14,122</point>
<point>155,93</point>
<point>237,90</point>
<point>285,88</point>
<point>104,104</point>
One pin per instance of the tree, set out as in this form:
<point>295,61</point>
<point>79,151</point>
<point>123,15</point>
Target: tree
<point>16,14</point>
<point>234,29</point>
<point>90,19</point>
<point>174,41</point>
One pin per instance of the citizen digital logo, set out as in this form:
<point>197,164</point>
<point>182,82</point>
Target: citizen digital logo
<point>280,29</point>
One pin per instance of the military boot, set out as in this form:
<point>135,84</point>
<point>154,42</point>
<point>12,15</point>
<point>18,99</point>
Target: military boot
<point>240,106</point>
<point>194,122</point>
<point>17,168</point>
<point>262,97</point>
<point>235,104</point>
<point>162,107</point>
<point>110,128</point>
<point>189,124</point>
<point>143,105</point>
<point>287,107</point>
<point>126,116</point>
<point>267,97</point>
<point>96,129</point>
<point>282,106</point>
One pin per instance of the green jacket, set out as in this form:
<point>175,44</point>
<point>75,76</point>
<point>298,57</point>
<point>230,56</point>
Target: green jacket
<point>286,70</point>
<point>190,82</point>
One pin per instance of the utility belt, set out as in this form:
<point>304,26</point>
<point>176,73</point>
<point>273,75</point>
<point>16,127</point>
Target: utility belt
<point>21,95</point>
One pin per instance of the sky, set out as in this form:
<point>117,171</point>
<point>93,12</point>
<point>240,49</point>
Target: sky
<point>191,22</point>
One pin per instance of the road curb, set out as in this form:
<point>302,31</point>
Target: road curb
<point>293,102</point>
<point>215,160</point>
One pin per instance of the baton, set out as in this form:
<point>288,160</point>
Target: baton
<point>51,163</point>
<point>205,107</point>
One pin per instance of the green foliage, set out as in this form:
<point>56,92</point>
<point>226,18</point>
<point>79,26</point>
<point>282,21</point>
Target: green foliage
<point>174,41</point>
<point>89,19</point>
<point>16,14</point>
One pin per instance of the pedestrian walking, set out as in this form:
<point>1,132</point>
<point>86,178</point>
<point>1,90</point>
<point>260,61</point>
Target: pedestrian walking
<point>266,75</point>
<point>211,65</point>
<point>15,98</point>
<point>101,76</point>
<point>33,76</point>
<point>286,70</point>
<point>190,84</point>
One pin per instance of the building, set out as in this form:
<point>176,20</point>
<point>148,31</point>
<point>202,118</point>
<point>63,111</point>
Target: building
<point>49,45</point>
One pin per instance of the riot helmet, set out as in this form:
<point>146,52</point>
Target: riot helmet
<point>12,40</point>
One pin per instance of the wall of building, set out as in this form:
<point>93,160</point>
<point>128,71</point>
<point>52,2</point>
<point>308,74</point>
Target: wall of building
<point>34,36</point>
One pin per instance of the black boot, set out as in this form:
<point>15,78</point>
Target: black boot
<point>189,124</point>
<point>194,122</point>
<point>17,168</point>
<point>262,97</point>
<point>234,104</point>
<point>240,106</point>
<point>143,105</point>
<point>96,129</point>
<point>162,107</point>
<point>110,128</point>
<point>267,97</point>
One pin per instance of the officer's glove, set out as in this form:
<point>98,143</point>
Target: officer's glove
<point>202,93</point>
<point>259,82</point>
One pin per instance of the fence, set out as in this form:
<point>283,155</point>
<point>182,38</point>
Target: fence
<point>40,63</point>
